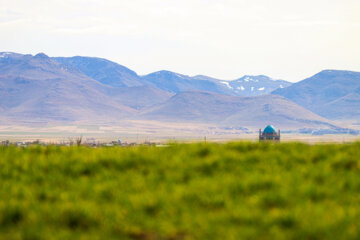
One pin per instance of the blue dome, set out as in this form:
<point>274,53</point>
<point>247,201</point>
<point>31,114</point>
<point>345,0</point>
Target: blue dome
<point>270,129</point>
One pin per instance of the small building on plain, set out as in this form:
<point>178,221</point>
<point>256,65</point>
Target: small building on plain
<point>269,134</point>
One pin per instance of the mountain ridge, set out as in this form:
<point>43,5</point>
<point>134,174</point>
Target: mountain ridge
<point>221,109</point>
<point>333,94</point>
<point>42,88</point>
<point>116,75</point>
<point>37,87</point>
<point>103,70</point>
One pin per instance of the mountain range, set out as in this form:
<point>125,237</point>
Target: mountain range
<point>331,94</point>
<point>116,75</point>
<point>38,88</point>
<point>45,89</point>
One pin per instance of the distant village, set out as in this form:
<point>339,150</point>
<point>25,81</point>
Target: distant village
<point>77,142</point>
<point>268,134</point>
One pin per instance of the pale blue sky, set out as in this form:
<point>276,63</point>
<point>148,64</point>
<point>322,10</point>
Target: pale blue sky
<point>220,38</point>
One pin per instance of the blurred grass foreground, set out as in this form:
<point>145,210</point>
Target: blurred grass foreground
<point>183,191</point>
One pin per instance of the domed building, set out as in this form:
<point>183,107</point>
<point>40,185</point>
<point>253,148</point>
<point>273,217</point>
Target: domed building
<point>269,134</point>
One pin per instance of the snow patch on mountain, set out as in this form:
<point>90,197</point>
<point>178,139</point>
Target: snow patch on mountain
<point>4,54</point>
<point>227,84</point>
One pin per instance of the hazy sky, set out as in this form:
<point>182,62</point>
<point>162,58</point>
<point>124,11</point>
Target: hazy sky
<point>284,39</point>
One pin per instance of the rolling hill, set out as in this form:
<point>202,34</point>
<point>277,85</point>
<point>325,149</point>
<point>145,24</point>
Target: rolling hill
<point>139,97</point>
<point>331,93</point>
<point>220,109</point>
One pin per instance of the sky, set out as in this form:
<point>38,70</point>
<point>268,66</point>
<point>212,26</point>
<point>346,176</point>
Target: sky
<point>225,39</point>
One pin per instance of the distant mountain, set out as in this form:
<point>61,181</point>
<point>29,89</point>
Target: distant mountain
<point>102,70</point>
<point>37,87</point>
<point>115,75</point>
<point>331,93</point>
<point>42,89</point>
<point>139,97</point>
<point>175,83</point>
<point>245,86</point>
<point>253,112</point>
<point>203,77</point>
<point>256,85</point>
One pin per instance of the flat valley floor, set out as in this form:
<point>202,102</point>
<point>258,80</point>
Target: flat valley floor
<point>151,131</point>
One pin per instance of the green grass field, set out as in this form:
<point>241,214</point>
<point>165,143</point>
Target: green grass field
<point>184,191</point>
